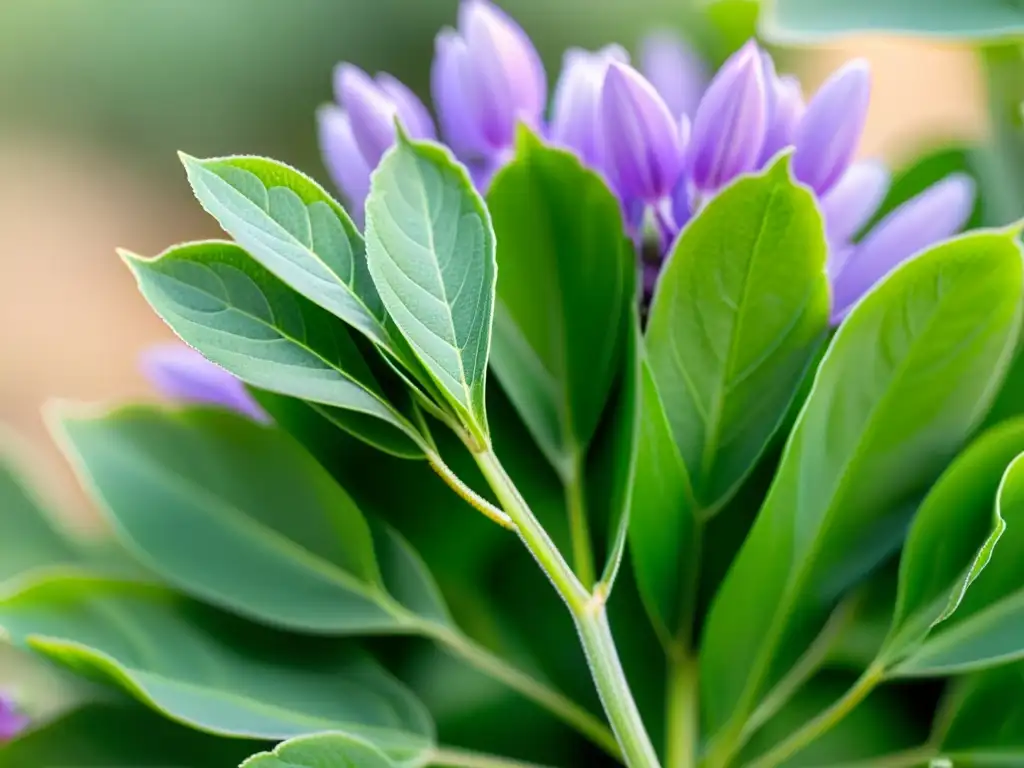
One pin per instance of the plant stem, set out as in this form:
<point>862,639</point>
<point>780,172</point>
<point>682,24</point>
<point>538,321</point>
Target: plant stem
<point>682,712</point>
<point>821,724</point>
<point>579,531</point>
<point>906,759</point>
<point>470,496</point>
<point>587,610</point>
<point>550,699</point>
<point>458,758</point>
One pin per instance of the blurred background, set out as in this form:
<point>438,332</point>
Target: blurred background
<point>96,96</point>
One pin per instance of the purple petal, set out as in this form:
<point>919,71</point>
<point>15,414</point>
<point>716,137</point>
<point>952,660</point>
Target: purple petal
<point>507,77</point>
<point>181,374</point>
<point>854,199</point>
<point>730,124</point>
<point>675,70</point>
<point>414,116</point>
<point>453,96</point>
<point>932,216</point>
<point>12,722</point>
<point>641,142</point>
<point>371,113</point>
<point>827,137</point>
<point>785,112</point>
<point>343,159</point>
<point>577,95</point>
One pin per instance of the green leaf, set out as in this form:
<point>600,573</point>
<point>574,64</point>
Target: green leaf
<point>985,723</point>
<point>986,626</point>
<point>210,671</point>
<point>324,750</point>
<point>120,736</point>
<point>430,249</point>
<point>737,316</point>
<point>239,515</point>
<point>952,537</point>
<point>296,230</point>
<point>223,303</point>
<point>906,378</point>
<point>663,527</point>
<point>566,281</point>
<point>804,21</point>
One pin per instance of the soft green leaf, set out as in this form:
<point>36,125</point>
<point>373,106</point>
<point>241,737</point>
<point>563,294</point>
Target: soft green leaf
<point>430,249</point>
<point>986,627</point>
<point>906,378</point>
<point>208,670</point>
<point>984,724</point>
<point>663,527</point>
<point>294,229</point>
<point>238,514</point>
<point>737,316</point>
<point>953,536</point>
<point>804,21</point>
<point>566,281</point>
<point>223,303</point>
<point>324,750</point>
<point>120,736</point>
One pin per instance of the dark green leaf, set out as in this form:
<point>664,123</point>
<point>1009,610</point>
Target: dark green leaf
<point>294,229</point>
<point>566,281</point>
<point>430,249</point>
<point>952,537</point>
<point>223,303</point>
<point>238,514</point>
<point>985,719</point>
<point>737,316</point>
<point>803,21</point>
<point>905,380</point>
<point>210,671</point>
<point>325,750</point>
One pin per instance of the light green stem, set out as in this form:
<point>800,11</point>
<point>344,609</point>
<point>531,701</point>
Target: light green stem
<point>587,610</point>
<point>459,758</point>
<point>682,712</point>
<point>579,531</point>
<point>907,759</point>
<point>824,722</point>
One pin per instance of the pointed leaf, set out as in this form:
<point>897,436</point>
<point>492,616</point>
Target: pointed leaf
<point>205,669</point>
<point>430,248</point>
<point>296,230</point>
<point>737,317</point>
<point>223,303</point>
<point>907,377</point>
<point>566,281</point>
<point>324,750</point>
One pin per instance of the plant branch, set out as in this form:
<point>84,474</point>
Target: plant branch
<point>579,531</point>
<point>468,494</point>
<point>682,712</point>
<point>907,759</point>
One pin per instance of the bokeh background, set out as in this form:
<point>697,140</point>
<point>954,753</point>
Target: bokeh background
<point>96,96</point>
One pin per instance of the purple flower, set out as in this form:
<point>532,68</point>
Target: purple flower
<point>675,70</point>
<point>830,130</point>
<point>784,100</point>
<point>731,122</point>
<point>851,202</point>
<point>12,721</point>
<point>355,135</point>
<point>935,214</point>
<point>486,78</point>
<point>181,374</point>
<point>576,110</point>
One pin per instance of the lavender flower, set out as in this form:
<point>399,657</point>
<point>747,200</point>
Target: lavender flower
<point>486,78</point>
<point>675,70</point>
<point>12,721</point>
<point>180,373</point>
<point>576,110</point>
<point>785,109</point>
<point>354,136</point>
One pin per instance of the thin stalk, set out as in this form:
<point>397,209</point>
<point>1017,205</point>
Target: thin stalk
<point>460,758</point>
<point>682,711</point>
<point>824,722</point>
<point>587,610</point>
<point>579,531</point>
<point>471,497</point>
<point>906,759</point>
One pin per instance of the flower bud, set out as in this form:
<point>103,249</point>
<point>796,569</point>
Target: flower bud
<point>675,70</point>
<point>852,201</point>
<point>181,374</point>
<point>12,721</point>
<point>730,123</point>
<point>830,130</point>
<point>574,117</point>
<point>486,78</point>
<point>785,103</point>
<point>342,157</point>
<point>641,143</point>
<point>932,216</point>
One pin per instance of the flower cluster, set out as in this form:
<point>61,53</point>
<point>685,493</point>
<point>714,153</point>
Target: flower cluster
<point>665,138</point>
<point>12,721</point>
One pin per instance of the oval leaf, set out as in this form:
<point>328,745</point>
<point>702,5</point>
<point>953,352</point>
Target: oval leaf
<point>207,670</point>
<point>737,316</point>
<point>430,248</point>
<point>905,380</point>
<point>223,303</point>
<point>324,750</point>
<point>566,281</point>
<point>294,229</point>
